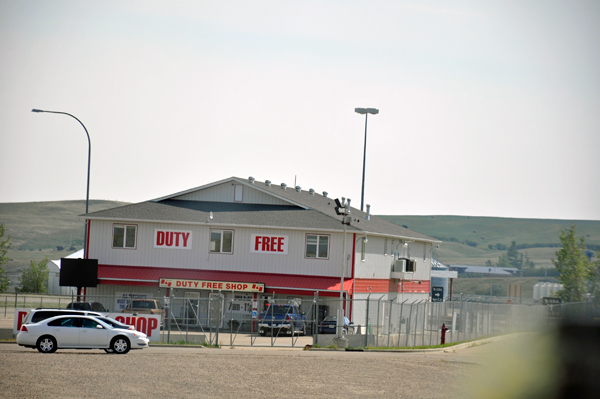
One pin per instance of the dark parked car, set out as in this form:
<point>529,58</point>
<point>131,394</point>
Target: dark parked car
<point>93,306</point>
<point>329,323</point>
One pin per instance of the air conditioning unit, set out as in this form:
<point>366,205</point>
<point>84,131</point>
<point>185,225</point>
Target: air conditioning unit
<point>403,268</point>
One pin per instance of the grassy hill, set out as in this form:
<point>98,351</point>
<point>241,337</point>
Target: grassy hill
<point>466,239</point>
<point>39,229</point>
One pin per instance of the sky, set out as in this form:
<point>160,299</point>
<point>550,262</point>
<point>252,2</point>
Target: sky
<point>486,108</point>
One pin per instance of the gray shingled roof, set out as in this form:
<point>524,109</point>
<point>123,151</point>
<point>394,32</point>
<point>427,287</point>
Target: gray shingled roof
<point>320,213</point>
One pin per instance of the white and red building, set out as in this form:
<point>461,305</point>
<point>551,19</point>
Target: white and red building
<point>252,240</point>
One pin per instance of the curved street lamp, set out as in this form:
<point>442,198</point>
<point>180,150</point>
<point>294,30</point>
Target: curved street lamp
<point>365,112</point>
<point>87,195</point>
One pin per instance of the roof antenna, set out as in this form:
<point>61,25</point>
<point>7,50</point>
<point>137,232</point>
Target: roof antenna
<point>295,180</point>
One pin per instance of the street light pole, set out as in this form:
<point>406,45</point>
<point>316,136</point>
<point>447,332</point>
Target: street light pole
<point>343,209</point>
<point>87,195</point>
<point>366,112</point>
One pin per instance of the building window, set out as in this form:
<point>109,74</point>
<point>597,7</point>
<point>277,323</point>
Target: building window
<point>238,195</point>
<point>221,241</point>
<point>124,236</point>
<point>317,246</point>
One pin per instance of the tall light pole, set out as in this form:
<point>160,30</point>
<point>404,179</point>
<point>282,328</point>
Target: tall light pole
<point>87,195</point>
<point>342,208</point>
<point>365,112</point>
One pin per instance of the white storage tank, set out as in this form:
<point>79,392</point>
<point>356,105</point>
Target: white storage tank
<point>545,289</point>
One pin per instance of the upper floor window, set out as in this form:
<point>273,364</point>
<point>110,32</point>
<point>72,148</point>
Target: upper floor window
<point>238,195</point>
<point>221,241</point>
<point>124,236</point>
<point>317,246</point>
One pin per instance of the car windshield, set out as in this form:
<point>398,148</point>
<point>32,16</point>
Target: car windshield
<point>112,322</point>
<point>144,304</point>
<point>330,318</point>
<point>279,309</point>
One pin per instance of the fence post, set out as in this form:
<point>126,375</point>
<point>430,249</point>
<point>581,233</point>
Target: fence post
<point>390,321</point>
<point>367,323</point>
<point>315,316</point>
<point>220,309</point>
<point>408,322</point>
<point>400,321</point>
<point>378,310</point>
<point>424,321</point>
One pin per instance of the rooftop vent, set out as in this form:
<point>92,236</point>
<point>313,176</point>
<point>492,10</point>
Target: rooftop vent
<point>325,193</point>
<point>283,185</point>
<point>368,212</point>
<point>268,183</point>
<point>298,188</point>
<point>311,191</point>
<point>251,179</point>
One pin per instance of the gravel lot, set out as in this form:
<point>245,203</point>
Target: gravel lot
<point>234,373</point>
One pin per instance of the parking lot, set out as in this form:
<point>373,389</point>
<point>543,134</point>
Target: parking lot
<point>233,373</point>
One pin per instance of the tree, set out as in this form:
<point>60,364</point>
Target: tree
<point>574,267</point>
<point>515,258</point>
<point>595,279</point>
<point>4,247</point>
<point>35,278</point>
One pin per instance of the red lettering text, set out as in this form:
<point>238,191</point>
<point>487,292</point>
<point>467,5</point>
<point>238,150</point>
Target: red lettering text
<point>160,238</point>
<point>265,244</point>
<point>152,324</point>
<point>185,238</point>
<point>256,242</point>
<point>20,318</point>
<point>141,325</point>
<point>169,239</point>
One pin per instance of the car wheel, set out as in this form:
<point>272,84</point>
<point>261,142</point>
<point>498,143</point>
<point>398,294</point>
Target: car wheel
<point>303,331</point>
<point>120,345</point>
<point>262,333</point>
<point>46,344</point>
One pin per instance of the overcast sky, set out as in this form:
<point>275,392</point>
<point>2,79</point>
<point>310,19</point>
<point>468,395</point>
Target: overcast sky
<point>487,108</point>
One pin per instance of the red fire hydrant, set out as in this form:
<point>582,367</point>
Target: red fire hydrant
<point>444,329</point>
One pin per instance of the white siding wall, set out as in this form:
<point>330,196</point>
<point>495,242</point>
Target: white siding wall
<point>199,257</point>
<point>225,193</point>
<point>378,265</point>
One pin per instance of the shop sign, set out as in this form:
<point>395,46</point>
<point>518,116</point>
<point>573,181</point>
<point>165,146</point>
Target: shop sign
<point>269,244</point>
<point>210,285</point>
<point>172,239</point>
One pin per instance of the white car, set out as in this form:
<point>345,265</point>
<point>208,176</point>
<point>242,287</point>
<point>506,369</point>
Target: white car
<point>79,332</point>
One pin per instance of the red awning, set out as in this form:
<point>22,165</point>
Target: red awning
<point>142,275</point>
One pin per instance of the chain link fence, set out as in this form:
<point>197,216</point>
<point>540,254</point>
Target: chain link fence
<point>377,322</point>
